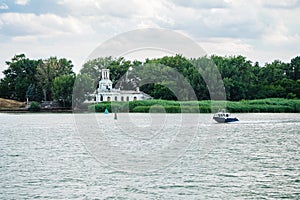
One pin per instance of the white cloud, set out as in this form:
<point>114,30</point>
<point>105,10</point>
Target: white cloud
<point>260,29</point>
<point>3,6</point>
<point>23,24</point>
<point>276,34</point>
<point>22,2</point>
<point>226,46</point>
<point>75,48</point>
<point>201,4</point>
<point>285,4</point>
<point>42,36</point>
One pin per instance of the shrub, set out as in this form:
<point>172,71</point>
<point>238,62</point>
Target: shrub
<point>120,106</point>
<point>34,106</point>
<point>261,105</point>
<point>204,109</point>
<point>100,107</point>
<point>157,109</point>
<point>291,96</point>
<point>141,109</point>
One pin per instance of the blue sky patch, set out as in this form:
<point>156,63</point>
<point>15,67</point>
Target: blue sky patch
<point>34,6</point>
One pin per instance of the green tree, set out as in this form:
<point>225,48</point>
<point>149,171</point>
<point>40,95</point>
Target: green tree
<point>48,70</point>
<point>83,87</point>
<point>6,89</point>
<point>30,92</point>
<point>17,78</point>
<point>210,81</point>
<point>174,72</point>
<point>117,66</point>
<point>62,88</point>
<point>239,75</point>
<point>34,93</point>
<point>295,68</point>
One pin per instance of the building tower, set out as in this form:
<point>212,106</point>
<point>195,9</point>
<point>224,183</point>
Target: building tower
<point>105,84</point>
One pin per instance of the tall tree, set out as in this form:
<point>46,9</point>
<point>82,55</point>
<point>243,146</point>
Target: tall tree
<point>117,66</point>
<point>19,75</point>
<point>295,66</point>
<point>238,76</point>
<point>48,70</point>
<point>34,93</point>
<point>83,87</point>
<point>62,88</point>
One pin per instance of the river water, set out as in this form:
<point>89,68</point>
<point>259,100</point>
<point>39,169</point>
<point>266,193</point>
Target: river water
<point>149,156</point>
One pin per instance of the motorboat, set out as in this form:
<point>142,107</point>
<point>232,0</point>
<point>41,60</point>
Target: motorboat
<point>223,117</point>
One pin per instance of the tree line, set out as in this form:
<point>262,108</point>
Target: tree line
<point>38,80</point>
<point>53,79</point>
<point>240,77</point>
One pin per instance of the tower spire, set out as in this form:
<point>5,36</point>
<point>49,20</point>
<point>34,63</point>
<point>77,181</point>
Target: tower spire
<point>105,74</point>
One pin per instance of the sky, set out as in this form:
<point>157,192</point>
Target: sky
<point>261,30</point>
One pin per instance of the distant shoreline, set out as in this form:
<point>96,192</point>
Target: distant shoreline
<point>272,105</point>
<point>25,110</point>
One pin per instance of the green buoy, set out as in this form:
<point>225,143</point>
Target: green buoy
<point>106,111</point>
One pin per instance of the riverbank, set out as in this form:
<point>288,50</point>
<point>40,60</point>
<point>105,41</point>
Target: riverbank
<point>12,106</point>
<point>25,110</point>
<point>272,105</point>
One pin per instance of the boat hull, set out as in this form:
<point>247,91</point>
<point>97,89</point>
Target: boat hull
<point>225,120</point>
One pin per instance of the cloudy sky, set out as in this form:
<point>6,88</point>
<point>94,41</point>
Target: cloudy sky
<point>261,30</point>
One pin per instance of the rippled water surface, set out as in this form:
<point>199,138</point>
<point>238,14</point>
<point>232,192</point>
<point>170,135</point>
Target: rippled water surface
<point>143,156</point>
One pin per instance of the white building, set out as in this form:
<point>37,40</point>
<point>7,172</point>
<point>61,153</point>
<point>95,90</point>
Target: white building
<point>106,92</point>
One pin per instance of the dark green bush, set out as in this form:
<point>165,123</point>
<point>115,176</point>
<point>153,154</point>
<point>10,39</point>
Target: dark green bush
<point>100,107</point>
<point>291,96</point>
<point>157,109</point>
<point>34,106</point>
<point>141,109</point>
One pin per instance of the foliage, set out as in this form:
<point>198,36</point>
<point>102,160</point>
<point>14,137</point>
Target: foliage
<point>18,77</point>
<point>118,67</point>
<point>48,70</point>
<point>83,86</point>
<point>294,69</point>
<point>262,105</point>
<point>173,78</point>
<point>32,79</point>
<point>265,105</point>
<point>100,107</point>
<point>34,93</point>
<point>34,106</point>
<point>62,88</point>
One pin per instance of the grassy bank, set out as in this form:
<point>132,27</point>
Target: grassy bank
<point>10,104</point>
<point>274,105</point>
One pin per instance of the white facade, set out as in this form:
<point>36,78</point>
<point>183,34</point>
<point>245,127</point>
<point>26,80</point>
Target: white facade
<point>106,92</point>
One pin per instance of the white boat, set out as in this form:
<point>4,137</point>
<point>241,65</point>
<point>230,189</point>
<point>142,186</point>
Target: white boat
<point>223,117</point>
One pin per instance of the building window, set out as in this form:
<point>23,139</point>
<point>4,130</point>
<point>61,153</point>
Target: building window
<point>122,98</point>
<point>134,98</point>
<point>101,97</point>
<point>116,98</point>
<point>127,98</point>
<point>108,98</point>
